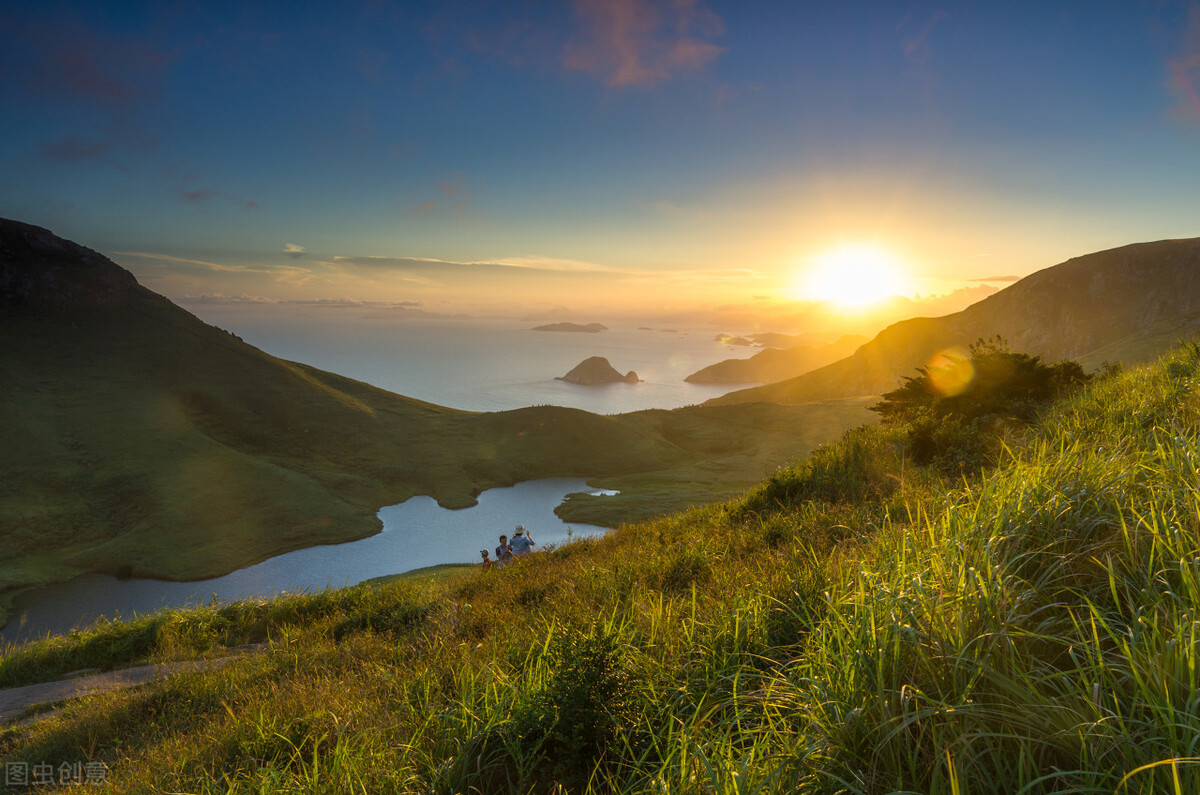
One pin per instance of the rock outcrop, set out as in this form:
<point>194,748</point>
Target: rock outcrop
<point>596,371</point>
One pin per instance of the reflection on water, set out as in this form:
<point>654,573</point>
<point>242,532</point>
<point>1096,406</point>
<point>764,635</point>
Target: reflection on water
<point>416,533</point>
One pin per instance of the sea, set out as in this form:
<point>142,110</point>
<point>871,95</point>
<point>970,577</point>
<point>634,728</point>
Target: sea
<point>471,364</point>
<point>487,364</point>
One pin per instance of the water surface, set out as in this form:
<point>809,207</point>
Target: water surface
<point>416,533</point>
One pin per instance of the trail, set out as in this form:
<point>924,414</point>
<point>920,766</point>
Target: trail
<point>16,700</point>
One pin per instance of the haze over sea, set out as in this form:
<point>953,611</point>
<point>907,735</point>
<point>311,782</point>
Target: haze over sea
<point>485,364</point>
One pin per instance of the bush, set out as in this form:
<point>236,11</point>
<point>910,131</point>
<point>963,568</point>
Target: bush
<point>993,381</point>
<point>954,417</point>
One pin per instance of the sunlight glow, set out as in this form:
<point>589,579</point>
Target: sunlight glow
<point>852,277</point>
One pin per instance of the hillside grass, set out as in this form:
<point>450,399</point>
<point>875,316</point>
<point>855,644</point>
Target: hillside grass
<point>853,624</point>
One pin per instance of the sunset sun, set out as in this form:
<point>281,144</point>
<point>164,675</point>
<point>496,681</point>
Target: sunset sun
<point>851,277</point>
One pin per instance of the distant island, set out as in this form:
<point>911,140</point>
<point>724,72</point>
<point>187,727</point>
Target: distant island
<point>595,371</point>
<point>590,328</point>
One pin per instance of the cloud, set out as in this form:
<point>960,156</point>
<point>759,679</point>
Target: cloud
<point>294,251</point>
<point>511,264</point>
<point>221,298</point>
<point>456,197</point>
<point>916,48</point>
<point>59,60</point>
<point>287,273</point>
<point>72,148</point>
<point>250,204</point>
<point>79,63</point>
<point>1184,72</point>
<point>196,196</point>
<point>369,63</point>
<point>642,42</point>
<point>1009,278</point>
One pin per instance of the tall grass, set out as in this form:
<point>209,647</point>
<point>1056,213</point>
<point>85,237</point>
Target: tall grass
<point>856,624</point>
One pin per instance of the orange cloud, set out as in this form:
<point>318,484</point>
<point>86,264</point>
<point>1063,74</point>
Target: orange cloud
<point>642,42</point>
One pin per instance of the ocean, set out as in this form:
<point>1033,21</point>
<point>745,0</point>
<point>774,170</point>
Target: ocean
<point>485,365</point>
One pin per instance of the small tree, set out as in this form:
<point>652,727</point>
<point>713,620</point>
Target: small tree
<point>995,381</point>
<point>953,411</point>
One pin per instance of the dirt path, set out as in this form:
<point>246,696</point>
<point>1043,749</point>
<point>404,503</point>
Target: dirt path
<point>15,700</point>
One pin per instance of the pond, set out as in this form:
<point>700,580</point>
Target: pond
<point>416,533</point>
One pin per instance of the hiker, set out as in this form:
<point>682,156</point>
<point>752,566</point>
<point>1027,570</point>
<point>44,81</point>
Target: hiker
<point>521,542</point>
<point>488,563</point>
<point>504,552</point>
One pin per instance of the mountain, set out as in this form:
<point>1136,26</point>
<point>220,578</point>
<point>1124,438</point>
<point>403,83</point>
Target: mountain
<point>775,364</point>
<point>141,441</point>
<point>595,371</point>
<point>1126,304</point>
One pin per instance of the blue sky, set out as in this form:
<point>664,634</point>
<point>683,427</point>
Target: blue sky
<point>461,155</point>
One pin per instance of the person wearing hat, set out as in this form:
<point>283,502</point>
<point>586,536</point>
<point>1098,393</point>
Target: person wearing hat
<point>521,542</point>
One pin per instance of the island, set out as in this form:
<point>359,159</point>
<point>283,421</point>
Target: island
<point>589,328</point>
<point>595,371</point>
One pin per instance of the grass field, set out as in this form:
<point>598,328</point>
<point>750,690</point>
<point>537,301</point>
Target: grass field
<point>853,624</point>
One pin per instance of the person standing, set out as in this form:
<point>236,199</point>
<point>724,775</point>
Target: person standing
<point>522,544</point>
<point>504,552</point>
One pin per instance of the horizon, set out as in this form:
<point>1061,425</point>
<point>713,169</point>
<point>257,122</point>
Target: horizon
<point>600,159</point>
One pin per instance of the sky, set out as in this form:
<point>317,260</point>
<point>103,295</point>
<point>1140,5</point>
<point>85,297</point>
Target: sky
<point>564,159</point>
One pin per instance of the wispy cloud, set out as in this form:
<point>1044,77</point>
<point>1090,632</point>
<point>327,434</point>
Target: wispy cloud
<point>1184,71</point>
<point>1009,278</point>
<point>642,42</point>
<point>293,250</point>
<point>62,59</point>
<point>72,148</point>
<point>287,273</point>
<point>223,299</point>
<point>196,195</point>
<point>427,264</point>
<point>919,53</point>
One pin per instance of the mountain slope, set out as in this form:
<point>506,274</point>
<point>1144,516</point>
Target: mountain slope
<point>775,364</point>
<point>141,441</point>
<point>1125,304</point>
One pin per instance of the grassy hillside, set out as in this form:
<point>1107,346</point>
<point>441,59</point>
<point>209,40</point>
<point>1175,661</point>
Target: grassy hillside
<point>1127,304</point>
<point>854,624</point>
<point>141,441</point>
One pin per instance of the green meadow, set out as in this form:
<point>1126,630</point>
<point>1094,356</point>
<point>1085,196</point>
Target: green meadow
<point>856,623</point>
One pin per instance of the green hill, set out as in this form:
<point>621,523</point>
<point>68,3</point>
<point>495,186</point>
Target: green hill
<point>1126,305</point>
<point>141,441</point>
<point>856,624</point>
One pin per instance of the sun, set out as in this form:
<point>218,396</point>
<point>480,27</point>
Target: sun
<point>851,277</point>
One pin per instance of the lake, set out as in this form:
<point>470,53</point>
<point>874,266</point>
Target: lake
<point>416,533</point>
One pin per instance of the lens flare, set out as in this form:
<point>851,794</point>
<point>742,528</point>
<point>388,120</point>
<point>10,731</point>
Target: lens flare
<point>950,371</point>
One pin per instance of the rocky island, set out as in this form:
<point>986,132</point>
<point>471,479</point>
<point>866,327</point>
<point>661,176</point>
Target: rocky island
<point>595,371</point>
<point>588,328</point>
